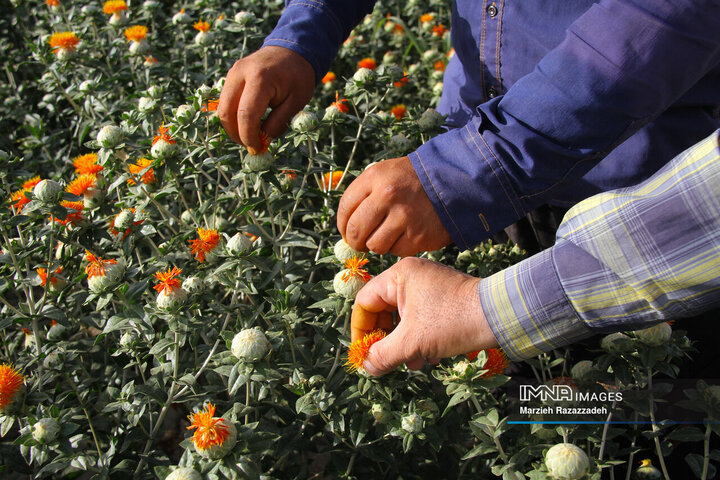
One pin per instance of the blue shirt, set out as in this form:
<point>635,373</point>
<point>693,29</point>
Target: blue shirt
<point>587,97</point>
<point>623,260</point>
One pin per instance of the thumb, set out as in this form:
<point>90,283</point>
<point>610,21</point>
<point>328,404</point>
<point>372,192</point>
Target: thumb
<point>387,354</point>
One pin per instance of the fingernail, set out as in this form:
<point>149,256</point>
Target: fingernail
<point>252,151</point>
<point>369,367</point>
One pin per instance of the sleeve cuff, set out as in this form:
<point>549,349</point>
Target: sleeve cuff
<point>466,184</point>
<point>527,310</point>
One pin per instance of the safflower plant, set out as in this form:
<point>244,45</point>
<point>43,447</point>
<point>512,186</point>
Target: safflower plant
<point>186,303</point>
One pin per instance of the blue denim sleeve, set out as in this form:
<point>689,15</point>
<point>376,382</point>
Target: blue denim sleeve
<point>621,64</point>
<point>315,29</point>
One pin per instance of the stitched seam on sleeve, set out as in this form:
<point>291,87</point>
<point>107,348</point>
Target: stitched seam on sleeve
<point>497,46</point>
<point>482,49</point>
<point>467,127</point>
<point>440,199</point>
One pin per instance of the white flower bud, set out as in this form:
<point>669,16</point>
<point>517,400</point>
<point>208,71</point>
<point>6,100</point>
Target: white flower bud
<point>184,114</point>
<point>193,285</point>
<point>243,17</point>
<point>204,91</point>
<point>332,113</point>
<point>343,250</point>
<point>399,144</point>
<point>48,191</point>
<point>151,5</point>
<point>184,473</point>
<point>128,339</point>
<point>414,68</point>
<point>364,75</point>
<point>173,300</point>
<point>90,9</point>
<point>216,452</point>
<point>304,121</point>
<point>146,104</point>
<point>260,162</point>
<point>430,120</point>
<point>45,430</point>
<point>437,75</point>
<point>113,274</point>
<point>565,461</point>
<point>187,216</point>
<point>163,149</point>
<point>139,48</point>
<point>87,86</point>
<point>390,57</point>
<point>616,343</point>
<point>350,287</point>
<point>154,92</point>
<point>380,413</point>
<point>655,336</point>
<point>65,54</point>
<point>239,244</point>
<point>117,19</point>
<point>412,423</point>
<point>203,38</point>
<point>110,136</point>
<point>181,18</point>
<point>250,345</point>
<point>124,220</point>
<point>431,56</point>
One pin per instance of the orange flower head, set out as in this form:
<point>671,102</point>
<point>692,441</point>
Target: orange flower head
<point>82,184</point>
<point>339,103</point>
<point>427,17</point>
<point>127,232</point>
<point>439,30</point>
<point>495,364</point>
<point>403,81</point>
<point>66,40</point>
<point>210,106</point>
<point>74,216</point>
<point>163,135</point>
<point>332,179</point>
<point>208,240</point>
<point>367,62</point>
<point>42,273</point>
<point>137,167</point>
<point>52,3</point>
<point>136,33</point>
<point>397,29</point>
<point>114,6</point>
<point>87,164</point>
<point>150,60</point>
<point>201,26</point>
<point>398,111</point>
<point>329,77</point>
<point>358,351</point>
<point>19,199</point>
<point>439,66</point>
<point>10,383</point>
<point>30,184</point>
<point>209,431</point>
<point>96,265</point>
<point>354,265</point>
<point>168,282</point>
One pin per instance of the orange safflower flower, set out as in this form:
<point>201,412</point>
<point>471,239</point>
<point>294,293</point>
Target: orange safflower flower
<point>114,6</point>
<point>339,103</point>
<point>210,106</point>
<point>397,29</point>
<point>10,383</point>
<point>291,174</point>
<point>66,40</point>
<point>163,135</point>
<point>439,30</point>
<point>201,26</point>
<point>114,231</point>
<point>137,167</point>
<point>209,431</point>
<point>136,33</point>
<point>398,111</point>
<point>82,184</point>
<point>354,265</point>
<point>168,282</point>
<point>30,184</point>
<point>403,81</point>
<point>250,236</point>
<point>19,199</point>
<point>367,62</point>
<point>208,240</point>
<point>150,60</point>
<point>74,216</point>
<point>331,179</point>
<point>439,66</point>
<point>42,273</point>
<point>87,164</point>
<point>329,77</point>
<point>52,3</point>
<point>495,364</point>
<point>358,350</point>
<point>427,17</point>
<point>96,265</point>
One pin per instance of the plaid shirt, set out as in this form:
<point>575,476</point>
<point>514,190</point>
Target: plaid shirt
<point>624,260</point>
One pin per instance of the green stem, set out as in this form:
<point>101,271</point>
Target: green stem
<point>658,449</point>
<point>706,453</point>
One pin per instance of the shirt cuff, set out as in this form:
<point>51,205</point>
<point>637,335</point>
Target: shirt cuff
<point>466,184</point>
<point>527,310</point>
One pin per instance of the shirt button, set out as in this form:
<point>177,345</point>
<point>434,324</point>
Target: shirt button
<point>492,93</point>
<point>492,10</point>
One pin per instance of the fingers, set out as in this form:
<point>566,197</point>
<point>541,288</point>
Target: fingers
<point>252,106</point>
<point>392,351</point>
<point>354,195</point>
<point>277,122</point>
<point>229,99</point>
<point>363,322</point>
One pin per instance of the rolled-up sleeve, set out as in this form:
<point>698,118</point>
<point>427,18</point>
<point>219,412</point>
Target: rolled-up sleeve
<point>621,64</point>
<point>623,260</point>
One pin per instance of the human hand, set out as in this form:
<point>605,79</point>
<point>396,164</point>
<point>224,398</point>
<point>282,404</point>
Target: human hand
<point>272,77</point>
<point>386,209</point>
<point>440,315</point>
